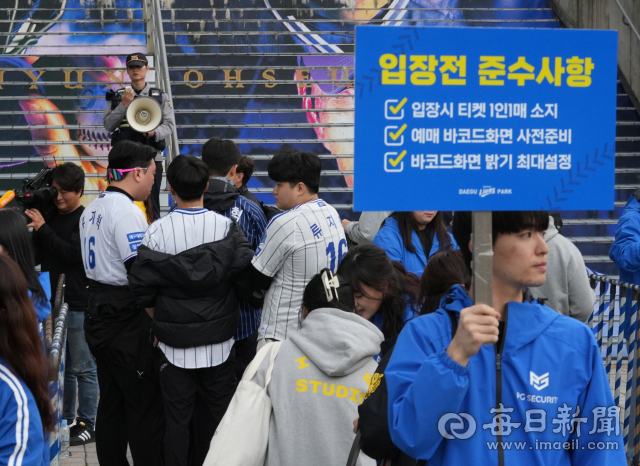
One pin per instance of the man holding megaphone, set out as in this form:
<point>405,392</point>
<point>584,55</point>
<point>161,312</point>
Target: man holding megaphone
<point>143,114</point>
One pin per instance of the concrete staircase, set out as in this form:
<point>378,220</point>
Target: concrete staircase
<point>593,231</point>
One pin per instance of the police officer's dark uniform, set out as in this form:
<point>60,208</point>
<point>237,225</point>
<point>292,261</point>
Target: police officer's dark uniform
<point>115,121</point>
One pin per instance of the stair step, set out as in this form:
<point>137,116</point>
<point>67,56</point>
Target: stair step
<point>596,259</point>
<point>591,239</point>
<point>590,221</point>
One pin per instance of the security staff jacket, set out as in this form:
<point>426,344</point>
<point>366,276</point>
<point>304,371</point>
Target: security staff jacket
<point>546,382</point>
<point>113,118</point>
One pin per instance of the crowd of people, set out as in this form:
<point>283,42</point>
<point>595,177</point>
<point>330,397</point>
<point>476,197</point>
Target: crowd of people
<point>378,342</point>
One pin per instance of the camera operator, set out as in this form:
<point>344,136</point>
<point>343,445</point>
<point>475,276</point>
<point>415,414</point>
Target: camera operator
<point>115,117</point>
<point>58,249</point>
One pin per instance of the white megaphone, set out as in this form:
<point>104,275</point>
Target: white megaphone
<point>144,114</point>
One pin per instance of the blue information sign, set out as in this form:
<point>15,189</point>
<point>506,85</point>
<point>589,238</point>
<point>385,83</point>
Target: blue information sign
<point>484,119</point>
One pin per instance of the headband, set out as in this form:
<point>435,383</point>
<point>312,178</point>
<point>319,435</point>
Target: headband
<point>116,174</point>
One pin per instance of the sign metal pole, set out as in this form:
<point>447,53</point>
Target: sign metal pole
<point>482,258</point>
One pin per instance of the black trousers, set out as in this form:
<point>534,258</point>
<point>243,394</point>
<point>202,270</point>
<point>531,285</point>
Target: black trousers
<point>155,190</point>
<point>245,352</point>
<point>129,411</point>
<point>214,388</point>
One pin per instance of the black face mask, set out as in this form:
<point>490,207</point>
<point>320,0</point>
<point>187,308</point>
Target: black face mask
<point>637,195</point>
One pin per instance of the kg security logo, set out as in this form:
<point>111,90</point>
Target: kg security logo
<point>538,381</point>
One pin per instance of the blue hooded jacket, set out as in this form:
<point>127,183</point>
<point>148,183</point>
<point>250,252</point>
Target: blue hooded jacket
<point>43,308</point>
<point>22,441</point>
<point>390,239</point>
<point>548,360</point>
<point>625,251</point>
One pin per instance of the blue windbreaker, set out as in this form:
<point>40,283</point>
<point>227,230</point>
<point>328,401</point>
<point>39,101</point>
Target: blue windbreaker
<point>43,308</point>
<point>389,239</point>
<point>625,251</point>
<point>550,364</point>
<point>21,436</point>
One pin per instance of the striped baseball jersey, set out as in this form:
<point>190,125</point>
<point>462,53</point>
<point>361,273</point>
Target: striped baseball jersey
<point>298,244</point>
<point>179,230</point>
<point>111,229</point>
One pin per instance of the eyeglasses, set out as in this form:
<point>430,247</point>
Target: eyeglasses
<point>116,174</point>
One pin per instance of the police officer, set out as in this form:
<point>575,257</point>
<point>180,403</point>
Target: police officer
<point>115,117</point>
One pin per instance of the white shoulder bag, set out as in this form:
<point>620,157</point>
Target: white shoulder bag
<point>243,434</point>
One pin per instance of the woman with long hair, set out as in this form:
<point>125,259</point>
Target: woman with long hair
<point>24,397</point>
<point>384,291</point>
<point>445,269</point>
<point>413,237</point>
<point>15,242</point>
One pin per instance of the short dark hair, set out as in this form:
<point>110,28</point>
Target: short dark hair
<point>294,166</point>
<point>502,223</point>
<point>69,177</point>
<point>188,176</point>
<point>220,155</point>
<point>130,154</point>
<point>246,167</point>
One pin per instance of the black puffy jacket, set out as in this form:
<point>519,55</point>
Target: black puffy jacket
<point>195,303</point>
<point>374,416</point>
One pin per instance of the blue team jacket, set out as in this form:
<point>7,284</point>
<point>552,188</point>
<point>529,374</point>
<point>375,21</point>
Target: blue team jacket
<point>389,239</point>
<point>625,251</point>
<point>21,436</point>
<point>43,308</point>
<point>550,363</point>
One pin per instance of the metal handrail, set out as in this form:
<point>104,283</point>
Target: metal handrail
<point>628,20</point>
<point>58,342</point>
<point>156,46</point>
<point>594,277</point>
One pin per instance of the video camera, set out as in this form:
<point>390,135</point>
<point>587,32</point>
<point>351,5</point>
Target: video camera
<point>37,193</point>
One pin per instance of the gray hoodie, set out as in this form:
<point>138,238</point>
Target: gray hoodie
<point>567,288</point>
<point>321,375</point>
<point>364,230</point>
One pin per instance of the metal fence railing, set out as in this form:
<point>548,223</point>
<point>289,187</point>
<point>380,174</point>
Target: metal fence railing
<point>55,346</point>
<point>156,46</point>
<point>615,325</point>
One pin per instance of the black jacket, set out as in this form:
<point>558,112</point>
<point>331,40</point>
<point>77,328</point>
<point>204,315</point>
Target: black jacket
<point>57,244</point>
<point>220,195</point>
<point>195,303</point>
<point>269,211</point>
<point>374,418</point>
<point>373,423</point>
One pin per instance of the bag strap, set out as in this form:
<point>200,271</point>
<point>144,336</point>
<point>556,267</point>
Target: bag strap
<point>454,323</point>
<point>275,347</point>
<point>257,360</point>
<point>355,450</point>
